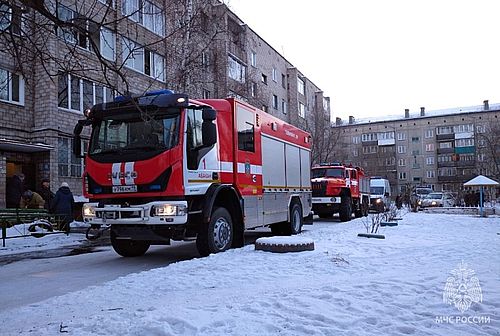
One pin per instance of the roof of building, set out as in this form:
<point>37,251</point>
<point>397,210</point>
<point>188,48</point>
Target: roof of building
<point>428,114</point>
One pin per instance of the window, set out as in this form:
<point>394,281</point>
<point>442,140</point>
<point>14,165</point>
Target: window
<point>253,59</point>
<point>11,18</point>
<point>206,94</point>
<point>402,175</point>
<point>146,13</point>
<point>445,145</point>
<point>391,161</point>
<point>245,130</point>
<point>463,128</point>
<point>401,149</point>
<point>369,137</point>
<point>302,110</point>
<point>263,78</point>
<point>301,88</point>
<point>283,106</point>
<point>402,162</point>
<point>385,136</point>
<point>464,142</point>
<point>264,108</point>
<point>415,139</point>
<point>480,129</point>
<point>107,44</point>
<point>429,147</point>
<point>205,59</point>
<point>274,75</point>
<point>68,164</point>
<point>448,171</point>
<point>415,152</point>
<point>143,60</point>
<point>283,80</point>
<point>356,139</point>
<point>355,152</point>
<point>11,87</point>
<point>370,149</point>
<point>253,89</point>
<point>429,133</point>
<point>444,158</point>
<point>429,160</point>
<point>78,94</point>
<point>401,136</point>
<point>444,130</point>
<point>275,102</point>
<point>481,157</point>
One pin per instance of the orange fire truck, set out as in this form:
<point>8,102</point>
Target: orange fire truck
<point>163,166</point>
<point>341,189</point>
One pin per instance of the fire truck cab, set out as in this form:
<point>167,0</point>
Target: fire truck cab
<point>163,166</point>
<point>340,189</point>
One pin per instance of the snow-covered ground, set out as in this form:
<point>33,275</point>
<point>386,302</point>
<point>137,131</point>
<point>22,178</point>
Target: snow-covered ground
<point>347,286</point>
<point>25,243</point>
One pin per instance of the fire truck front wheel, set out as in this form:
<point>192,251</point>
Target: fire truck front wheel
<point>128,248</point>
<point>345,212</point>
<point>217,236</point>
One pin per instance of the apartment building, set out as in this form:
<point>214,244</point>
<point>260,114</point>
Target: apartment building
<point>49,74</point>
<point>442,149</point>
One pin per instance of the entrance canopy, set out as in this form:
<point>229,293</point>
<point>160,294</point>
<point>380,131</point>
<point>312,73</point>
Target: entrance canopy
<point>481,180</point>
<point>25,147</point>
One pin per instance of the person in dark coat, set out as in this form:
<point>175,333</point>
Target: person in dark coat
<point>46,193</point>
<point>14,190</point>
<point>62,206</point>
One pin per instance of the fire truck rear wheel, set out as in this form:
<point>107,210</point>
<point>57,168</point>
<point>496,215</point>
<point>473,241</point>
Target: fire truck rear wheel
<point>345,212</point>
<point>294,226</point>
<point>217,236</point>
<point>128,248</point>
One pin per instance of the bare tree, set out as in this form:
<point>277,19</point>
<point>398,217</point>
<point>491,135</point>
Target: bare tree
<point>97,39</point>
<point>488,150</point>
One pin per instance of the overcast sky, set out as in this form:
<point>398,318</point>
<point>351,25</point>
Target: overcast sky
<point>378,57</point>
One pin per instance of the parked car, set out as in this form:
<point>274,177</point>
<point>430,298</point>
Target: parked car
<point>437,199</point>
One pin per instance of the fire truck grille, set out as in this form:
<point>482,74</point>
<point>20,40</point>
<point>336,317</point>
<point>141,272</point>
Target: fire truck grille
<point>319,189</point>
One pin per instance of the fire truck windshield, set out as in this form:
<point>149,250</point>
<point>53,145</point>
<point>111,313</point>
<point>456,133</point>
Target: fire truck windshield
<point>134,135</point>
<point>328,172</point>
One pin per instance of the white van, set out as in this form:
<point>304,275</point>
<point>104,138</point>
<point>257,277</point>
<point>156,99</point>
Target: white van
<point>380,194</point>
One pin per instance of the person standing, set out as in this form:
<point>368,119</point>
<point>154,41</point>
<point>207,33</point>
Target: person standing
<point>14,190</point>
<point>62,206</point>
<point>46,193</point>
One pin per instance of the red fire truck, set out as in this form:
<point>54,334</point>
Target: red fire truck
<point>341,189</point>
<point>163,166</point>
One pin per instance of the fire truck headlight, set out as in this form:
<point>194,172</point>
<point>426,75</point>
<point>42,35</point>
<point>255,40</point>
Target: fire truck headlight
<point>88,210</point>
<point>170,210</point>
<point>433,203</point>
<point>419,202</point>
<point>378,201</point>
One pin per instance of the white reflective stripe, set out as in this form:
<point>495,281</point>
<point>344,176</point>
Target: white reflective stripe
<point>129,168</point>
<point>115,173</point>
<point>354,183</point>
<point>254,169</point>
<point>226,167</point>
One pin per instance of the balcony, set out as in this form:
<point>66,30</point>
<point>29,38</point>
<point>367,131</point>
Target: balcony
<point>445,137</point>
<point>456,178</point>
<point>465,150</point>
<point>445,150</point>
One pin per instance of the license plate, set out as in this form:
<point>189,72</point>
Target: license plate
<point>124,189</point>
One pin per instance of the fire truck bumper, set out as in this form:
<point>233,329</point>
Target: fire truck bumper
<point>323,200</point>
<point>152,213</point>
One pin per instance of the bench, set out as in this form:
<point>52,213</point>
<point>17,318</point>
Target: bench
<point>10,217</point>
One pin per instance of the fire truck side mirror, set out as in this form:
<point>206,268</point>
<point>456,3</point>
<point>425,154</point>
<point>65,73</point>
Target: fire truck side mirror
<point>208,133</point>
<point>209,114</point>
<point>77,140</point>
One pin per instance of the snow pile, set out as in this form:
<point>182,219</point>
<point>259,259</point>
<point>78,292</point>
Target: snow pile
<point>283,240</point>
<point>347,286</point>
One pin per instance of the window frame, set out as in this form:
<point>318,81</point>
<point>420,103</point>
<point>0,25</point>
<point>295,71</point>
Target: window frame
<point>9,88</point>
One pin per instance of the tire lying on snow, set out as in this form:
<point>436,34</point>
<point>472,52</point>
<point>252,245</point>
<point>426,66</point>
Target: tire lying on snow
<point>284,244</point>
